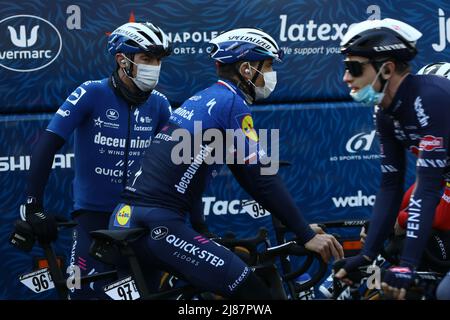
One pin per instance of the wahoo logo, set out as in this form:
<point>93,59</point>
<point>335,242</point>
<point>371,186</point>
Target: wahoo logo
<point>21,40</point>
<point>360,142</point>
<point>359,200</point>
<point>159,233</point>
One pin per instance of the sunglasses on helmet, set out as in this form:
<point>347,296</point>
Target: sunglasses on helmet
<point>355,68</point>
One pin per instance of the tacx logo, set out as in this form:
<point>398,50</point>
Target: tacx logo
<point>34,43</point>
<point>159,233</point>
<point>359,200</point>
<point>360,142</point>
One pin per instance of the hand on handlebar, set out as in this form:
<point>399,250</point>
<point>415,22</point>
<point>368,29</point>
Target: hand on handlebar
<point>316,228</point>
<point>345,268</point>
<point>326,245</point>
<point>396,280</point>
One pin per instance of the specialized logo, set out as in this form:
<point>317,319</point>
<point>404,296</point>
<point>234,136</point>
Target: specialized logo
<point>33,43</point>
<point>430,143</point>
<point>159,233</point>
<point>360,142</point>
<point>76,95</point>
<point>123,216</point>
<point>248,128</point>
<point>112,114</point>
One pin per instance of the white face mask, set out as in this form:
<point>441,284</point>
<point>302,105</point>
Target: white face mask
<point>146,76</point>
<point>270,82</point>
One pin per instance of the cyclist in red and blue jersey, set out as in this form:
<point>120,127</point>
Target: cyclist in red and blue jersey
<point>114,121</point>
<point>171,181</point>
<point>413,113</point>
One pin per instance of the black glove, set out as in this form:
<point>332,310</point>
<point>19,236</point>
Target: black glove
<point>44,226</point>
<point>351,266</point>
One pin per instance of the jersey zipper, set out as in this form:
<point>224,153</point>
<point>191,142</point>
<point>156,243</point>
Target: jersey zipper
<point>127,147</point>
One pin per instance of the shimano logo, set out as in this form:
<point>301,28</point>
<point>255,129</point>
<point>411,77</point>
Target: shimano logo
<point>194,251</point>
<point>360,142</point>
<point>390,47</point>
<point>359,200</point>
<point>22,163</point>
<point>34,43</point>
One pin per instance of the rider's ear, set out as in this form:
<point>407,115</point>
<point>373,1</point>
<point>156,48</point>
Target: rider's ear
<point>244,70</point>
<point>387,71</point>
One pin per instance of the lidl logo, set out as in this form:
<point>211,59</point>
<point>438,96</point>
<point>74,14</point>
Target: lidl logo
<point>123,216</point>
<point>248,128</point>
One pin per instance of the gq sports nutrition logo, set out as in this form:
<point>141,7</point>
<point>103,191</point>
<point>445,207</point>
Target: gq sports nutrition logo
<point>29,43</point>
<point>357,148</point>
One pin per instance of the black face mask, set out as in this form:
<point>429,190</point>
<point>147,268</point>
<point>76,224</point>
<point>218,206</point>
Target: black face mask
<point>133,98</point>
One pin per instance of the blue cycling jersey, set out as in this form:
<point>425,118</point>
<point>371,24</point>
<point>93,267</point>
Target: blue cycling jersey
<point>162,182</point>
<point>417,120</point>
<point>110,139</point>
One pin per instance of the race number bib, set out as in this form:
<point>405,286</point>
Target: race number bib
<point>124,289</point>
<point>38,281</point>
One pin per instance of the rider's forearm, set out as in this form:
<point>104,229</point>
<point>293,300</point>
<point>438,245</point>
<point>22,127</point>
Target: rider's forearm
<point>421,211</point>
<point>41,163</point>
<point>385,210</point>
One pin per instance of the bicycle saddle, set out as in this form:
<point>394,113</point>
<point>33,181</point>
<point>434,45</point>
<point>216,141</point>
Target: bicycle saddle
<point>128,235</point>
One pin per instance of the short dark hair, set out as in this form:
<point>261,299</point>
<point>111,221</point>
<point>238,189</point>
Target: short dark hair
<point>401,67</point>
<point>230,70</point>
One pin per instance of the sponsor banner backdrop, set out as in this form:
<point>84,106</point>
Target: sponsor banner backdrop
<point>334,174</point>
<point>48,48</point>
<point>17,138</point>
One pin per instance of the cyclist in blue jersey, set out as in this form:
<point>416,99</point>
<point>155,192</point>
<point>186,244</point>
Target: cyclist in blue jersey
<point>114,121</point>
<point>165,189</point>
<point>413,113</point>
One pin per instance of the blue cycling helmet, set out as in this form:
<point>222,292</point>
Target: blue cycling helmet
<point>135,37</point>
<point>244,44</point>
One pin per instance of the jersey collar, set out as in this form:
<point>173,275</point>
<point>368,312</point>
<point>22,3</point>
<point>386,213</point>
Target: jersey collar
<point>231,86</point>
